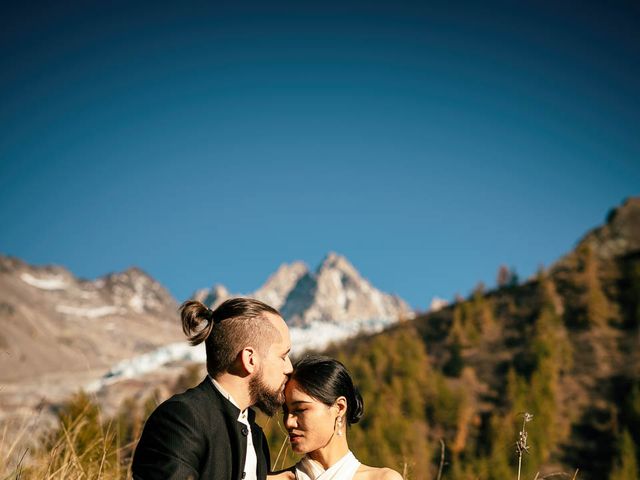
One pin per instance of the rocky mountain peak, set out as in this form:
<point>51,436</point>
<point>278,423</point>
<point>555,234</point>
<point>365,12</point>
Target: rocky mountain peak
<point>52,316</point>
<point>336,293</point>
<point>335,262</point>
<point>275,290</point>
<point>10,264</point>
<point>619,236</point>
<point>52,277</point>
<point>212,297</point>
<point>134,289</point>
<point>333,293</point>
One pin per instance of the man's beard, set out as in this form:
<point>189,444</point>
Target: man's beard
<point>267,400</point>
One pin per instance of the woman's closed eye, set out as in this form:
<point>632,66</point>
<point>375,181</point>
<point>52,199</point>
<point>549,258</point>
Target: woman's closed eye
<point>295,410</point>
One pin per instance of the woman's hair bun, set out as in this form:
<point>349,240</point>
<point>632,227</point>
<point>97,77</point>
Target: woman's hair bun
<point>356,407</point>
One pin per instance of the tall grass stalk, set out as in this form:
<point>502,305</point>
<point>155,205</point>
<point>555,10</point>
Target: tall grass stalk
<point>521,444</point>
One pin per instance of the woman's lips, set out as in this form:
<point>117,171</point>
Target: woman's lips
<point>294,437</point>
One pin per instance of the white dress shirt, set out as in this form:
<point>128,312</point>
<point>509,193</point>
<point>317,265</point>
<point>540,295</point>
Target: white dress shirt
<point>250,460</point>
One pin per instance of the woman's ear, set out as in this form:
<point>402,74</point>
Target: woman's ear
<point>341,406</point>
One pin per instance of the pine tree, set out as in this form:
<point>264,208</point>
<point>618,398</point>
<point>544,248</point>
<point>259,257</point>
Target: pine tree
<point>504,276</point>
<point>631,411</point>
<point>626,464</point>
<point>595,301</point>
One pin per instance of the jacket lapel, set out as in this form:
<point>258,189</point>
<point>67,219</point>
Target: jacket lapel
<point>237,432</point>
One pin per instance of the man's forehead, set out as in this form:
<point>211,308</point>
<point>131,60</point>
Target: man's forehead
<point>281,327</point>
<point>278,322</point>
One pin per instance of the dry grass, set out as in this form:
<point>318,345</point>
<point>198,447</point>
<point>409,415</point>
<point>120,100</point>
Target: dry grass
<point>84,447</point>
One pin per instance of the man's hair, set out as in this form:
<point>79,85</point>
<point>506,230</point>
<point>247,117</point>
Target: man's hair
<point>236,324</point>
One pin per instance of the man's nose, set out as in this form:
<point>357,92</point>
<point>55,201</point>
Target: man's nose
<point>288,367</point>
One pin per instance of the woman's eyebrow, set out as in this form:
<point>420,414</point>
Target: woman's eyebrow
<point>300,401</point>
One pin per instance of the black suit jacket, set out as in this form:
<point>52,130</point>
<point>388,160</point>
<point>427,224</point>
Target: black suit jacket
<point>196,435</point>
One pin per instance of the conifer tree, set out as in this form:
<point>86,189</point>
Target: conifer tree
<point>504,276</point>
<point>595,301</point>
<point>626,464</point>
<point>631,411</point>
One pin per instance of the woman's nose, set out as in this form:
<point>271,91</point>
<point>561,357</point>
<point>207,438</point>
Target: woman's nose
<point>289,421</point>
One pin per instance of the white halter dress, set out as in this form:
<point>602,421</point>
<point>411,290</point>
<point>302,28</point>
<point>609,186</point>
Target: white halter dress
<point>343,469</point>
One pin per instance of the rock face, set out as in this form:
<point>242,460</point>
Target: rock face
<point>53,322</point>
<point>618,236</point>
<point>277,288</point>
<point>329,304</point>
<point>335,293</point>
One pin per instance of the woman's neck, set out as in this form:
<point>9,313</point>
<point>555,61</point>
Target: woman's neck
<point>330,453</point>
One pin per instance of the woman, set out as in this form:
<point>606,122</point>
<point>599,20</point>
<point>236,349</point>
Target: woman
<point>321,403</point>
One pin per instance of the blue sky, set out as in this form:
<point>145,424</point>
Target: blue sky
<point>209,142</point>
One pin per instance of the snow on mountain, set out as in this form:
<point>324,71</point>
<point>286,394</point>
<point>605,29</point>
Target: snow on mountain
<point>330,304</point>
<point>89,312</point>
<point>148,362</point>
<point>52,321</point>
<point>53,282</point>
<point>126,323</point>
<point>437,303</point>
<point>134,289</point>
<point>337,293</point>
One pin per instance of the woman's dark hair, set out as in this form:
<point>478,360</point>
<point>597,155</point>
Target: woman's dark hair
<point>326,379</point>
<point>236,324</point>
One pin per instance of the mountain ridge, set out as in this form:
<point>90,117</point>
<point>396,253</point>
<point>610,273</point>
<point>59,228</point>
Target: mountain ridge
<point>563,346</point>
<point>334,292</point>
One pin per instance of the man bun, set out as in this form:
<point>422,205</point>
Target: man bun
<point>197,321</point>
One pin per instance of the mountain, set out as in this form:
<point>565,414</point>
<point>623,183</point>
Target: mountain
<point>336,293</point>
<point>563,346</point>
<point>54,323</point>
<point>278,286</point>
<point>274,292</point>
<point>328,304</point>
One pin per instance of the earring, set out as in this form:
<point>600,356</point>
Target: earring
<point>339,426</point>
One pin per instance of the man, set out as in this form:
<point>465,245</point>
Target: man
<point>209,432</point>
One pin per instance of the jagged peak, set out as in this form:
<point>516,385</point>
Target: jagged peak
<point>128,274</point>
<point>297,268</point>
<point>630,207</point>
<point>335,261</point>
<point>219,290</point>
<point>620,234</point>
<point>9,263</point>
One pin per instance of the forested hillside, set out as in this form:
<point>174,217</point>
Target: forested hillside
<point>563,346</point>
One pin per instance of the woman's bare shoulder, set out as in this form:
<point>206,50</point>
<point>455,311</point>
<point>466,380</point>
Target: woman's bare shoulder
<point>365,472</point>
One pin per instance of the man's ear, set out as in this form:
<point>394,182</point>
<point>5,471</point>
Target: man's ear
<point>249,359</point>
<point>341,406</point>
